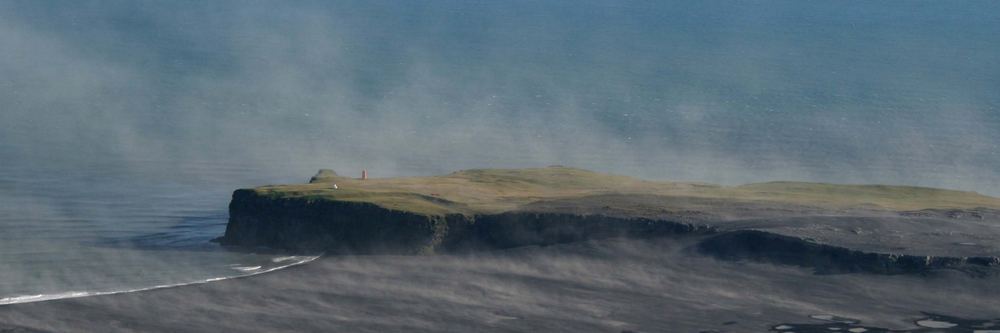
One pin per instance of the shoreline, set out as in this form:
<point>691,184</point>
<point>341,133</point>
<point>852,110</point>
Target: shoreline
<point>609,285</point>
<point>24,299</point>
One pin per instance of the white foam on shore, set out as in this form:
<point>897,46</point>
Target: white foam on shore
<point>298,260</point>
<point>283,259</point>
<point>247,268</point>
<point>935,324</point>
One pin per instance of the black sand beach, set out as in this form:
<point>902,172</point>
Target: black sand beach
<point>656,285</point>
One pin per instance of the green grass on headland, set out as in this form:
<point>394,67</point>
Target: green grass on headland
<point>485,191</point>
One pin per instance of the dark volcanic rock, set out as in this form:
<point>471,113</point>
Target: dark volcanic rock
<point>770,247</point>
<point>516,229</point>
<point>304,225</point>
<point>315,225</point>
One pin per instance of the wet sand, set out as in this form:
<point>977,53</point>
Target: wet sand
<point>659,285</point>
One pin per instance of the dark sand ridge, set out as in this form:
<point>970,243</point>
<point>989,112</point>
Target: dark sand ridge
<point>597,286</point>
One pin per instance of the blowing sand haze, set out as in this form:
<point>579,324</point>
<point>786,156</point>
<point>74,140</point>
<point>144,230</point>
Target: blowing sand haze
<point>499,166</point>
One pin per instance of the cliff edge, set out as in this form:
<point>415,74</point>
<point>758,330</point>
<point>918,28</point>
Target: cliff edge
<point>832,228</point>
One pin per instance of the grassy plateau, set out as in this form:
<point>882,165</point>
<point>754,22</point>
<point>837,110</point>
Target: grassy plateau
<point>489,191</point>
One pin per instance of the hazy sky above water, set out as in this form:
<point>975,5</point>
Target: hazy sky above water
<point>720,91</point>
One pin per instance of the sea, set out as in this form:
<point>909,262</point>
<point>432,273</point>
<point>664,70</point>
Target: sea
<point>126,125</point>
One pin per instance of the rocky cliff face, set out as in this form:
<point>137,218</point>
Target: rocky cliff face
<point>515,229</point>
<point>301,224</point>
<point>304,225</point>
<point>827,259</point>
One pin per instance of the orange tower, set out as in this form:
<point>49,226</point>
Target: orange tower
<point>364,174</point>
